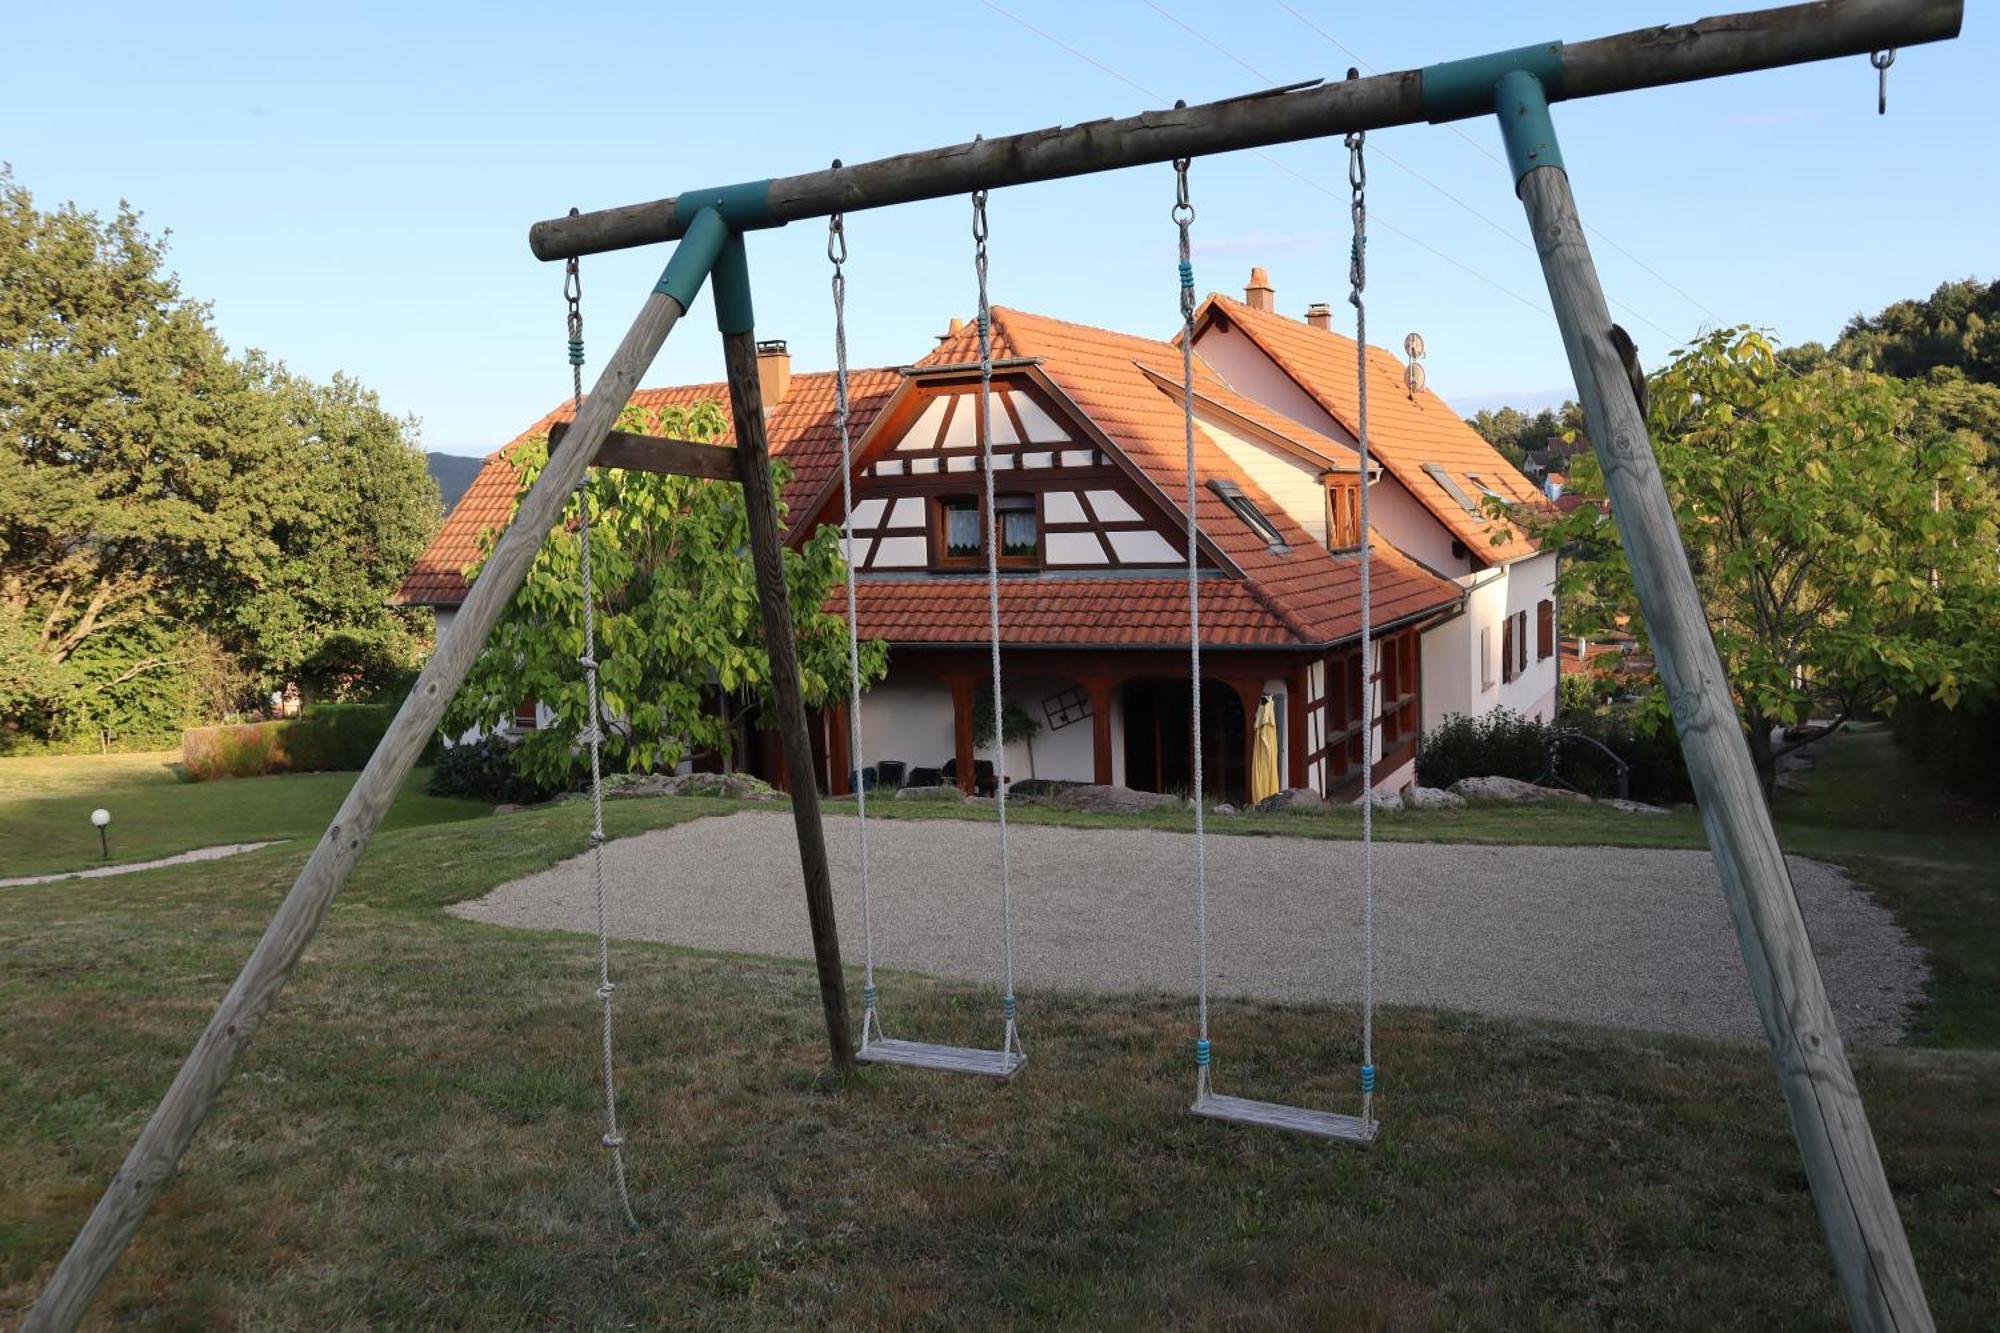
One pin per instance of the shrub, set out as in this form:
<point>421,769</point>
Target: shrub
<point>485,770</point>
<point>1956,744</point>
<point>1502,743</point>
<point>326,738</point>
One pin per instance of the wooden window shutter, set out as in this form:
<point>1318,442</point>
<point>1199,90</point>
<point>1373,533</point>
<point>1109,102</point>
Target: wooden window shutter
<point>1507,649</point>
<point>1545,629</point>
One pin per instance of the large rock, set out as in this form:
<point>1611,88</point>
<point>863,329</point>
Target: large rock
<point>940,795</point>
<point>1632,807</point>
<point>1512,789</point>
<point>734,786</point>
<point>1382,800</point>
<point>1113,800</point>
<point>1291,798</point>
<point>1432,798</point>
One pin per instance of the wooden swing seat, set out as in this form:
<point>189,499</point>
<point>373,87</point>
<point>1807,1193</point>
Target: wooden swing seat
<point>1275,1115</point>
<point>951,1059</point>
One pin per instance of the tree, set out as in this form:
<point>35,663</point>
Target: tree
<point>1957,326</point>
<point>677,617</point>
<point>1516,434</point>
<point>1842,539</point>
<point>159,497</point>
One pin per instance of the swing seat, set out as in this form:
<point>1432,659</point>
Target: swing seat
<point>951,1059</point>
<point>1276,1115</point>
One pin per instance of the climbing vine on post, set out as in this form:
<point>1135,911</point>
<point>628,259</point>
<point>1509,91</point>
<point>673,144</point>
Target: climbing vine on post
<point>677,617</point>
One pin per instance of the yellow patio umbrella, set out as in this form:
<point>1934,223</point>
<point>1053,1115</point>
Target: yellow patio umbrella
<point>1264,760</point>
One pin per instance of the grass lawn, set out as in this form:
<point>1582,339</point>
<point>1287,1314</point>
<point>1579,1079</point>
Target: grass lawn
<point>45,805</point>
<point>412,1142</point>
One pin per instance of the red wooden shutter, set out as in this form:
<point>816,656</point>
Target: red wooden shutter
<point>1545,629</point>
<point>1507,649</point>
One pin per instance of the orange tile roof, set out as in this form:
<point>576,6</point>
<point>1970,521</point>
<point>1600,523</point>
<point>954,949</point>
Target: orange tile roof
<point>801,431</point>
<point>1061,610</point>
<point>1404,431</point>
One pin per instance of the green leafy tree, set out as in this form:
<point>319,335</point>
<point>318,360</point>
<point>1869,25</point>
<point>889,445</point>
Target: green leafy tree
<point>677,617</point>
<point>1516,434</point>
<point>1957,327</point>
<point>1842,538</point>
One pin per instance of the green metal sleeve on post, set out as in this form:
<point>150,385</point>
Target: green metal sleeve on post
<point>1525,126</point>
<point>693,258</point>
<point>745,207</point>
<point>732,288</point>
<point>1460,88</point>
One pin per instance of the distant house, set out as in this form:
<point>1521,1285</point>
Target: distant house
<point>1089,461</point>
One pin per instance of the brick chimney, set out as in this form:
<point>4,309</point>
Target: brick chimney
<point>774,371</point>
<point>1260,294</point>
<point>1320,315</point>
<point>957,326</point>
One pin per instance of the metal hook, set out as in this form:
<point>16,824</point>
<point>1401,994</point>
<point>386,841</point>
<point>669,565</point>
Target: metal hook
<point>1881,60</point>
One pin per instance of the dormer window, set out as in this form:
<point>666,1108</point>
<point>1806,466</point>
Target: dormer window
<point>1451,488</point>
<point>1253,518</point>
<point>1343,511</point>
<point>960,528</point>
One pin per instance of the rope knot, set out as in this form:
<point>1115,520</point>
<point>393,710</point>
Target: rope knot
<point>596,837</point>
<point>614,1141</point>
<point>604,991</point>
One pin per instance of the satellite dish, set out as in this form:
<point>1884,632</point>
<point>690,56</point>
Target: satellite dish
<point>1413,346</point>
<point>1414,377</point>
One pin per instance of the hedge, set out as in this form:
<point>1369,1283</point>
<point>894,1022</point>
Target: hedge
<point>325,738</point>
<point>1502,743</point>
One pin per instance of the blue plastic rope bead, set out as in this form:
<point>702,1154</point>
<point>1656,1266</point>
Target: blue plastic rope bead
<point>867,997</point>
<point>1007,1008</point>
<point>1187,274</point>
<point>576,351</point>
<point>1368,1078</point>
<point>1201,1052</point>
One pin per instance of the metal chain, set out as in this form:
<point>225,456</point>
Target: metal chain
<point>836,253</point>
<point>593,739</point>
<point>1010,1040</point>
<point>1881,60</point>
<point>1183,216</point>
<point>1357,277</point>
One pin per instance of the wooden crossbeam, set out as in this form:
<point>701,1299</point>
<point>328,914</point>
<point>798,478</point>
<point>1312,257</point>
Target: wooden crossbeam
<point>654,453</point>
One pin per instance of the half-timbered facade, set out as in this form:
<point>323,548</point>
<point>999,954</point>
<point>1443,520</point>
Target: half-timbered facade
<point>1091,488</point>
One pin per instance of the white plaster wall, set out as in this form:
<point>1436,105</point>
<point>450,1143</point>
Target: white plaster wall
<point>1450,656</point>
<point>1532,693</point>
<point>1243,364</point>
<point>907,718</point>
<point>1294,485</point>
<point>1067,755</point>
<point>1401,519</point>
<point>445,615</point>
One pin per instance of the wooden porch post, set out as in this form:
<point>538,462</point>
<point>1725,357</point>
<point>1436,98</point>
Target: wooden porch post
<point>962,688</point>
<point>1103,691</point>
<point>839,760</point>
<point>1295,728</point>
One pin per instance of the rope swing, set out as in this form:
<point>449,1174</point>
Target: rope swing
<point>1242,1110</point>
<point>593,740</point>
<point>1008,1059</point>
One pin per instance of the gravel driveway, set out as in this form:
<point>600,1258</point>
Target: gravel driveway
<point>1628,938</point>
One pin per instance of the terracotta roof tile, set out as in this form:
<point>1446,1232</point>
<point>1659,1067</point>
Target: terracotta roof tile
<point>1051,611</point>
<point>1404,432</point>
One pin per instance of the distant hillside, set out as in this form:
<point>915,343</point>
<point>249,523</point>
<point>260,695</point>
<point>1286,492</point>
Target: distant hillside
<point>453,473</point>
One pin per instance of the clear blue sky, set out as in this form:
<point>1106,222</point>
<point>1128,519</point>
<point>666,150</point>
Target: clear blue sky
<point>352,189</point>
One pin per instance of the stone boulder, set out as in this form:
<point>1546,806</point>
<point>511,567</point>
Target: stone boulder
<point>1382,800</point>
<point>1224,809</point>
<point>1512,789</point>
<point>1432,798</point>
<point>939,795</point>
<point>1291,798</point>
<point>1632,807</point>
<point>734,786</point>
<point>1112,800</point>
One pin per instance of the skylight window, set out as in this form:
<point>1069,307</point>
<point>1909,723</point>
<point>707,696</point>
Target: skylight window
<point>1484,487</point>
<point>1451,488</point>
<point>1253,518</point>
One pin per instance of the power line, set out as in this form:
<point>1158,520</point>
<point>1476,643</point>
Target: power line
<point>1510,233</point>
<point>1376,217</point>
<point>1494,158</point>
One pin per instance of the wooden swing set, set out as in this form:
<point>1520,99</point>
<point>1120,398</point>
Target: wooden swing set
<point>1864,1233</point>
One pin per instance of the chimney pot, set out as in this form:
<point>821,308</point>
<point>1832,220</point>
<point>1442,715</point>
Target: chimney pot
<point>1260,294</point>
<point>957,326</point>
<point>1320,315</point>
<point>774,371</point>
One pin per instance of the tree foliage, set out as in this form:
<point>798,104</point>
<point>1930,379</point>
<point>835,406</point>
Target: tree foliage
<point>1956,327</point>
<point>161,499</point>
<point>677,617</point>
<point>1841,533</point>
<point>1516,434</point>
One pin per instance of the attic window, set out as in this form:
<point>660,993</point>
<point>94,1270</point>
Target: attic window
<point>1451,488</point>
<point>1484,488</point>
<point>1246,509</point>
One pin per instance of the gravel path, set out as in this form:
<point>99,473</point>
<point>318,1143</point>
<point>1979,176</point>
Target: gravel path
<point>1628,938</point>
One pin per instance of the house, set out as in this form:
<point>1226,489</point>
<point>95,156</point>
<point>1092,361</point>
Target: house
<point>1087,435</point>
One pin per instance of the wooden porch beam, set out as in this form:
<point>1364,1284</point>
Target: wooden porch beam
<point>653,453</point>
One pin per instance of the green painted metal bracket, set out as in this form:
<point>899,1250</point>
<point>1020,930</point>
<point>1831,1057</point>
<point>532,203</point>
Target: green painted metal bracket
<point>693,257</point>
<point>1516,86</point>
<point>1460,88</point>
<point>745,207</point>
<point>1522,106</point>
<point>732,288</point>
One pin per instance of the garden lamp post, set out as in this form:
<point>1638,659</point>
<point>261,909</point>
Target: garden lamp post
<point>102,818</point>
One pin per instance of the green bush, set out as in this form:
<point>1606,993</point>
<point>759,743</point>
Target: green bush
<point>485,770</point>
<point>325,738</point>
<point>1957,744</point>
<point>1502,743</point>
